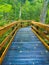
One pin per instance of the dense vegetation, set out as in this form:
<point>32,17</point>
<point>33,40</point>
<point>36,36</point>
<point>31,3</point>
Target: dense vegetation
<point>47,17</point>
<point>11,10</point>
<point>30,10</point>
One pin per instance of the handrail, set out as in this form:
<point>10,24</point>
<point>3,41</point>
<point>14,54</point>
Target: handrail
<point>7,27</point>
<point>3,30</point>
<point>22,22</point>
<point>15,26</point>
<point>37,26</point>
<point>41,25</point>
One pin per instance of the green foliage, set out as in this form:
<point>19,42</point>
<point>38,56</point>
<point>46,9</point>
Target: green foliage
<point>47,17</point>
<point>30,10</point>
<point>10,10</point>
<point>5,8</point>
<point>3,23</point>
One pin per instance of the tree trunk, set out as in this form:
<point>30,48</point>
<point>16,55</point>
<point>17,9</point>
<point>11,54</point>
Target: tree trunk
<point>44,11</point>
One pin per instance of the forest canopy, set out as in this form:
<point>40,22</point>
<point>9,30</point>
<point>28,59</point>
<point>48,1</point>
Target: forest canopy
<point>25,9</point>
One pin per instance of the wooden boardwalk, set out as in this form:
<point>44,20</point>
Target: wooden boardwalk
<point>26,49</point>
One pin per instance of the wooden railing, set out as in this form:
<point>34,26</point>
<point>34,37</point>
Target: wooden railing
<point>42,30</point>
<point>36,27</point>
<point>7,41</point>
<point>25,23</point>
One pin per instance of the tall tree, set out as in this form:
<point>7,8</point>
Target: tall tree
<point>44,11</point>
